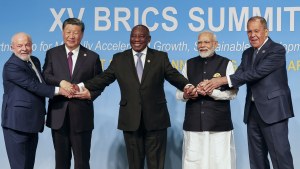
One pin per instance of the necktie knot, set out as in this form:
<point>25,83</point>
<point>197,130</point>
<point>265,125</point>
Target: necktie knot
<point>139,55</point>
<point>70,54</point>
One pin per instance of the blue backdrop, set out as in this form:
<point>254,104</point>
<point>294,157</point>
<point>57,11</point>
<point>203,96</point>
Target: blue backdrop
<point>174,29</point>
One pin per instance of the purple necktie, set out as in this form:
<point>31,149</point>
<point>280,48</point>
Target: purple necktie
<point>70,62</point>
<point>139,66</point>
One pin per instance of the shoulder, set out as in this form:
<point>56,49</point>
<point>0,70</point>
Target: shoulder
<point>125,53</point>
<point>222,57</point>
<point>156,52</point>
<point>194,59</point>
<point>55,49</point>
<point>88,51</point>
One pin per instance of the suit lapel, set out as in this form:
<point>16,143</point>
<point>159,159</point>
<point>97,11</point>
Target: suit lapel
<point>147,64</point>
<point>82,55</point>
<point>62,57</point>
<point>262,52</point>
<point>131,64</point>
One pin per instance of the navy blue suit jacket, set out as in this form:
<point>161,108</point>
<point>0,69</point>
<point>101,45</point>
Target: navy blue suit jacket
<point>23,107</point>
<point>266,81</point>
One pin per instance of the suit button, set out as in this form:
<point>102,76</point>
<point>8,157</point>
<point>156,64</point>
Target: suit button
<point>202,112</point>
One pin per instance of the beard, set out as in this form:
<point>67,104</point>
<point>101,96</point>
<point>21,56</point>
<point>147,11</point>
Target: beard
<point>23,57</point>
<point>207,53</point>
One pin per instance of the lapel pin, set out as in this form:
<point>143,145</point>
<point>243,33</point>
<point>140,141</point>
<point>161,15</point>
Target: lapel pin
<point>148,61</point>
<point>85,54</point>
<point>263,51</point>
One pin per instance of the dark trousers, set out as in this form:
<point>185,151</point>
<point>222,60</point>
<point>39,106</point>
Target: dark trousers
<point>20,148</point>
<point>149,144</point>
<point>66,141</point>
<point>266,138</point>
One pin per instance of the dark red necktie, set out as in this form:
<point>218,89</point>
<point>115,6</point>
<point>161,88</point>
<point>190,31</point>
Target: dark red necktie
<point>70,62</point>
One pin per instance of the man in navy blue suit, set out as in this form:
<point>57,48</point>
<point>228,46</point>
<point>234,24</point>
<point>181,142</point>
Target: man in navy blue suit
<point>268,102</point>
<point>23,107</point>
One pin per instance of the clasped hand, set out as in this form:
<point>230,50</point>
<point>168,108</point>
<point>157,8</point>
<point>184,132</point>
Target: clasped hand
<point>70,90</point>
<point>192,92</point>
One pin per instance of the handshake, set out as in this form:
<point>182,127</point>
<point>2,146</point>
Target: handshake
<point>192,92</point>
<point>70,90</point>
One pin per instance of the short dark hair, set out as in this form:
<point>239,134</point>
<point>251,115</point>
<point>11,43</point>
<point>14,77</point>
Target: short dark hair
<point>262,20</point>
<point>74,21</point>
<point>143,26</point>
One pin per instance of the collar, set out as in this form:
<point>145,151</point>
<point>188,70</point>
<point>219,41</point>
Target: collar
<point>75,51</point>
<point>263,44</point>
<point>144,52</point>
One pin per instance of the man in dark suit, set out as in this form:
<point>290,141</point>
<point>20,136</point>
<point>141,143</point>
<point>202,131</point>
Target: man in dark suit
<point>23,107</point>
<point>71,120</point>
<point>268,102</point>
<point>143,115</point>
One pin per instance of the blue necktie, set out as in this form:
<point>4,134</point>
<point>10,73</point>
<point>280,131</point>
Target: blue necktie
<point>139,66</point>
<point>254,55</point>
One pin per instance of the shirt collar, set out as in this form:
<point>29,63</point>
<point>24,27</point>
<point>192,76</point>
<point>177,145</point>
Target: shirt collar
<point>263,44</point>
<point>75,51</point>
<point>144,52</point>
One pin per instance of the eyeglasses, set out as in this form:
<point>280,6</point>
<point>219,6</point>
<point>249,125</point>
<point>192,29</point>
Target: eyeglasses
<point>204,42</point>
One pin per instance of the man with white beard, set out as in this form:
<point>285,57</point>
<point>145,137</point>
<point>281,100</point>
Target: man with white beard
<point>208,130</point>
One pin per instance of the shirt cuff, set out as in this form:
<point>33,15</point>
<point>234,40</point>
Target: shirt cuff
<point>81,86</point>
<point>56,91</point>
<point>229,81</point>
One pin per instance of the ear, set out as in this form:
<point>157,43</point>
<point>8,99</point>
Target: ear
<point>215,44</point>
<point>266,32</point>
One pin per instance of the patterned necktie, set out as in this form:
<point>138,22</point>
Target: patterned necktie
<point>70,62</point>
<point>139,66</point>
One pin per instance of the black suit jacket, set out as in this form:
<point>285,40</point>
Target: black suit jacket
<point>23,107</point>
<point>140,100</point>
<point>266,81</point>
<point>56,69</point>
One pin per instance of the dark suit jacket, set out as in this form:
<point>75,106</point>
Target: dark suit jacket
<point>146,100</point>
<point>267,81</point>
<point>56,69</point>
<point>23,107</point>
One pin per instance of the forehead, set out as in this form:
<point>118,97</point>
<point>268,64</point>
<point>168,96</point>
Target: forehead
<point>72,27</point>
<point>21,39</point>
<point>254,24</point>
<point>205,36</point>
<point>139,30</point>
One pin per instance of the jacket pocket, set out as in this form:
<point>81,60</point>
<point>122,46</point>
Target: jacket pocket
<point>276,93</point>
<point>22,103</point>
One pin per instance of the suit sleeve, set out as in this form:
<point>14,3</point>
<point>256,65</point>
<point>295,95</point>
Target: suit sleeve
<point>48,72</point>
<point>17,75</point>
<point>173,76</point>
<point>102,80</point>
<point>274,60</point>
<point>97,71</point>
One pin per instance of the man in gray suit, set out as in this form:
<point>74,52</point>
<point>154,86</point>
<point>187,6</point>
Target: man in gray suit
<point>268,101</point>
